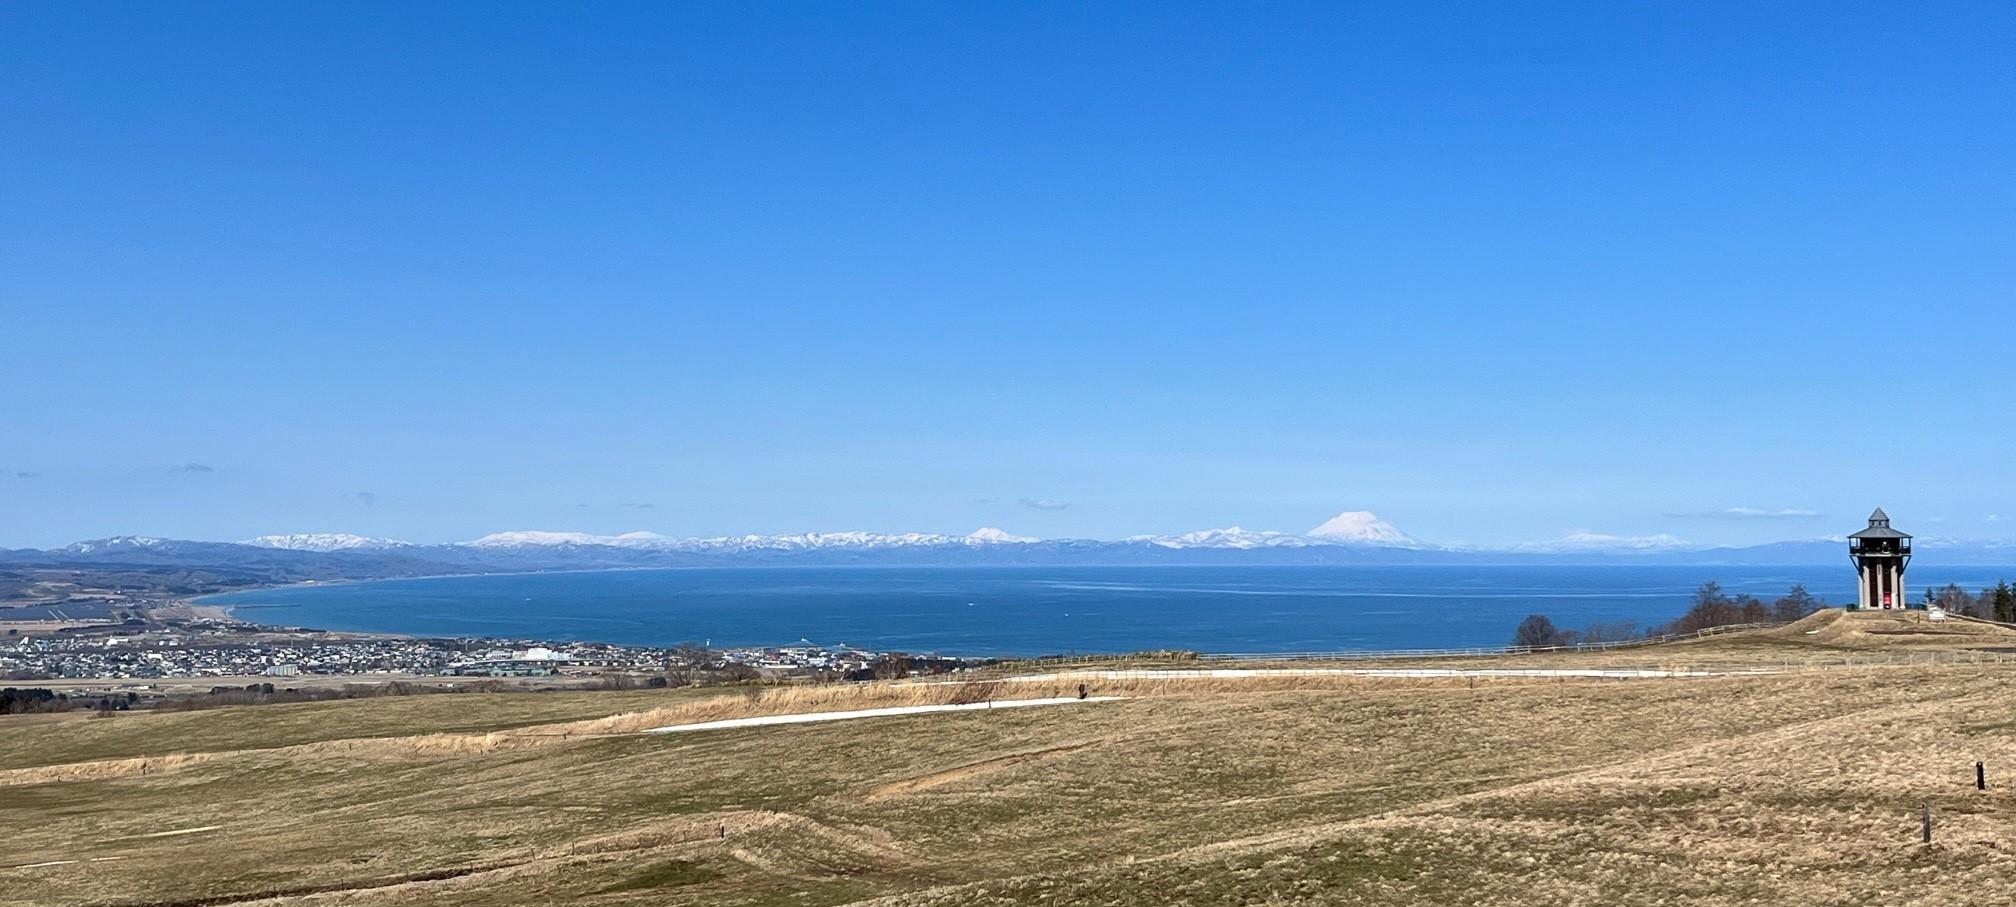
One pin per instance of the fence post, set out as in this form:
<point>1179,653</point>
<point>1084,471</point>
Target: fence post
<point>1925,818</point>
<point>1980,776</point>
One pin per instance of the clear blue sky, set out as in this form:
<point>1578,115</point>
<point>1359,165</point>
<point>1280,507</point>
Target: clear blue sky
<point>1499,272</point>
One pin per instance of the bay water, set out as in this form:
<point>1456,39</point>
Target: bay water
<point>1039,610</point>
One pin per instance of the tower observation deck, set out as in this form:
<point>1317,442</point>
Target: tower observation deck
<point>1880,554</point>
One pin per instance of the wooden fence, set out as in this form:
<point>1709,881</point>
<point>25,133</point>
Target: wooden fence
<point>1391,654</point>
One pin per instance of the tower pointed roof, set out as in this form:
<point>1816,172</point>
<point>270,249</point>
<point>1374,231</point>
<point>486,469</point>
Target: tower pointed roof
<point>1879,528</point>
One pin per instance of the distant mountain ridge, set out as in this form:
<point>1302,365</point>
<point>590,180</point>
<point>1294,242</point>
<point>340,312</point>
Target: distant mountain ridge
<point>326,541</point>
<point>1352,537</point>
<point>651,541</point>
<point>1352,528</point>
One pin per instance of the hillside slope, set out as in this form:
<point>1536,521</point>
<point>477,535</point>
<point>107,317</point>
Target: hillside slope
<point>1791,788</point>
<point>1879,629</point>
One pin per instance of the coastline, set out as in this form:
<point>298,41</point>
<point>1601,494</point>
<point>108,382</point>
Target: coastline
<point>223,611</point>
<point>1007,610</point>
<point>210,612</point>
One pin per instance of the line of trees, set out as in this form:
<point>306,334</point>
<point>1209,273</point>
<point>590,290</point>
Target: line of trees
<point>35,700</point>
<point>1997,604</point>
<point>1711,607</point>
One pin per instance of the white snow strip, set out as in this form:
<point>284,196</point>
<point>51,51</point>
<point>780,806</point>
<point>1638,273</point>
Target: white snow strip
<point>180,831</point>
<point>809,717</point>
<point>47,863</point>
<point>1214,673</point>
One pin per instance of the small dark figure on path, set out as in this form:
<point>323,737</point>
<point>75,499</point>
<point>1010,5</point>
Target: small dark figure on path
<point>1081,691</point>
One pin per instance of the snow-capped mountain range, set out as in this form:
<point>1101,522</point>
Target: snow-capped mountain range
<point>326,541</point>
<point>115,543</point>
<point>651,541</point>
<point>1352,527</point>
<point>1356,527</point>
<point>1352,537</point>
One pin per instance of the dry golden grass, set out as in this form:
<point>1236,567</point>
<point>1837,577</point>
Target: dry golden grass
<point>757,700</point>
<point>1891,630</point>
<point>102,769</point>
<point>1790,788</point>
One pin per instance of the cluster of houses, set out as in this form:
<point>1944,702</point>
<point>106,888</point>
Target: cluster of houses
<point>201,650</point>
<point>537,661</point>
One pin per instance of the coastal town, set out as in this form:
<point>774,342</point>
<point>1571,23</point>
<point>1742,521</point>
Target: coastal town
<point>140,653</point>
<point>786,454</point>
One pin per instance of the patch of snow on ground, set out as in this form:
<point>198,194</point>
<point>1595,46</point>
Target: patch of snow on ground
<point>810,717</point>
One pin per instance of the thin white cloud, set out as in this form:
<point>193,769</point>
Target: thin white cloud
<point>1042,504</point>
<point>1589,541</point>
<point>1748,513</point>
<point>1584,537</point>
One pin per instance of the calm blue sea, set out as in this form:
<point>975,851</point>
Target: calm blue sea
<point>1034,611</point>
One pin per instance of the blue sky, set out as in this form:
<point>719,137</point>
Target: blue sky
<point>1498,272</point>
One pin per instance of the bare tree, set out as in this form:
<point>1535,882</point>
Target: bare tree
<point>1537,631</point>
<point>1955,600</point>
<point>685,662</point>
<point>1795,604</point>
<point>1611,631</point>
<point>1750,610</point>
<point>1710,608</point>
<point>892,666</point>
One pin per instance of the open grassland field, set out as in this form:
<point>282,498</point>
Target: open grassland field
<point>1830,638</point>
<point>1793,787</point>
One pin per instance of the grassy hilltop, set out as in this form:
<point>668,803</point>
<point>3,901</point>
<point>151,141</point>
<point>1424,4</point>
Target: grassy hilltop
<point>1800,786</point>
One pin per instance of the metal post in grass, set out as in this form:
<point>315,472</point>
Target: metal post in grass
<point>1925,819</point>
<point>1980,776</point>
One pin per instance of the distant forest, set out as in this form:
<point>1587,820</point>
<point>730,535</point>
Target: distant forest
<point>1711,607</point>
